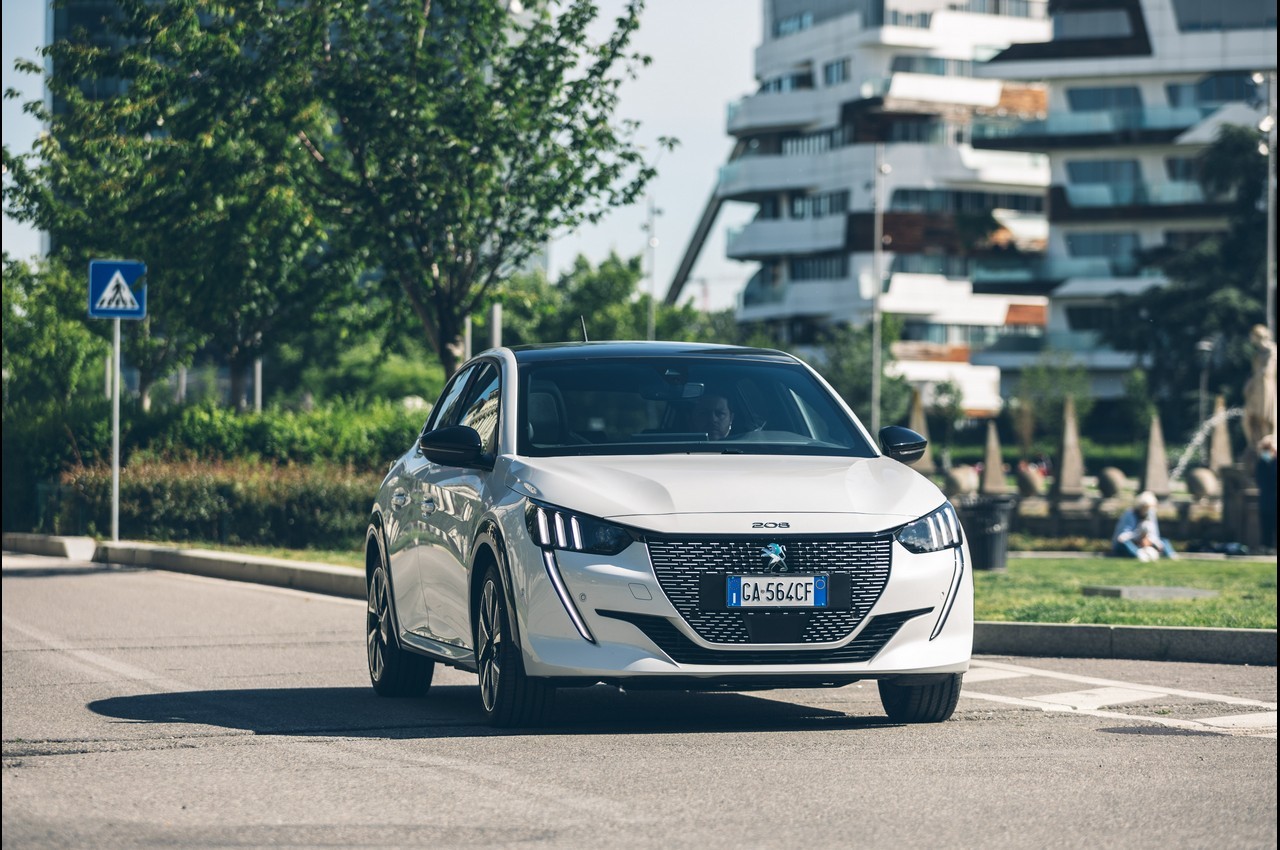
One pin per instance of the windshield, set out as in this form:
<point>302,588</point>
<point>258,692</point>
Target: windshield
<point>664,405</point>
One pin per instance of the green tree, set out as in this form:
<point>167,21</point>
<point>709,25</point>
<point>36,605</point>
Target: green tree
<point>605,298</point>
<point>49,353</point>
<point>170,148</point>
<point>1216,287</point>
<point>456,139</point>
<point>844,359</point>
<point>1043,389</point>
<point>947,409</point>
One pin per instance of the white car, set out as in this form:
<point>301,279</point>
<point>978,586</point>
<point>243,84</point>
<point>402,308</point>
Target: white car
<point>665,515</point>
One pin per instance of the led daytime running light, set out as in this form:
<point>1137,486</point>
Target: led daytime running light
<point>933,532</point>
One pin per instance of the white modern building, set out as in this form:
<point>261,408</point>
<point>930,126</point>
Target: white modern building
<point>1136,89</point>
<point>840,80</point>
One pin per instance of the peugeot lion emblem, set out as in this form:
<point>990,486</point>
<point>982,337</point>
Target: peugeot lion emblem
<point>775,558</point>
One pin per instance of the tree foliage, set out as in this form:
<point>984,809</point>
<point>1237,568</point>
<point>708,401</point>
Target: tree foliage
<point>606,299</point>
<point>844,357</point>
<point>457,138</point>
<point>1043,389</point>
<point>168,146</point>
<point>1216,287</point>
<point>49,353</point>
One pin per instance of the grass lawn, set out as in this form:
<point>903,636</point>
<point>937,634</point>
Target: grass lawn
<point>1048,590</point>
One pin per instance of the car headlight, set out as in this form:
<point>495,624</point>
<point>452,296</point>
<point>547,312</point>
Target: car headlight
<point>932,532</point>
<point>556,528</point>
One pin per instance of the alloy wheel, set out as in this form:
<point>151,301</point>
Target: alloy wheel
<point>378,624</point>
<point>489,645</point>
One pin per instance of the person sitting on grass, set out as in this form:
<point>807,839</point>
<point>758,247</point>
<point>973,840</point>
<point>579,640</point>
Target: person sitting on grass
<point>1137,533</point>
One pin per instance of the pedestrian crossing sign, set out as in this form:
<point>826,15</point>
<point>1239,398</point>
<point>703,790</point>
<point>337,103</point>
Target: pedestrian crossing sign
<point>117,290</point>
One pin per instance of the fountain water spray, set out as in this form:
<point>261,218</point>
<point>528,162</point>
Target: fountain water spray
<point>1193,447</point>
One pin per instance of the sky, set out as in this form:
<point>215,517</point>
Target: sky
<point>702,53</point>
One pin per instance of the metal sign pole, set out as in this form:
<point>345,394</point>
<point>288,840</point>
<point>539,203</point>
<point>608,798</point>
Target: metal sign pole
<point>115,432</point>
<point>112,296</point>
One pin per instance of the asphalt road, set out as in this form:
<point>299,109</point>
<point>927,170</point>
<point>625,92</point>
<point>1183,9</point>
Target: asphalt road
<point>145,709</point>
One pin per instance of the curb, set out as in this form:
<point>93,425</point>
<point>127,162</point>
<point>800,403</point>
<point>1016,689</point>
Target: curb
<point>1140,643</point>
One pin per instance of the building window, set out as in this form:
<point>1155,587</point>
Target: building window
<point>1182,168</point>
<point>819,267</point>
<point>811,143</point>
<point>1214,90</point>
<point>957,201</point>
<point>834,73</point>
<point>1099,23</point>
<point>1104,171</point>
<point>937,65</point>
<point>1098,98</point>
<point>787,82</point>
<point>915,20</point>
<point>1116,245</point>
<point>1202,15</point>
<point>820,206</point>
<point>793,24</point>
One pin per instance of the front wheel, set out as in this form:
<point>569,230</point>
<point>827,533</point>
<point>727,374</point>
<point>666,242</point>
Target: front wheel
<point>932,702</point>
<point>509,697</point>
<point>393,671</point>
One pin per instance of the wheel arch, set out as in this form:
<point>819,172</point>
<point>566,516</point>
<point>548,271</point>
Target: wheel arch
<point>375,552</point>
<point>490,550</point>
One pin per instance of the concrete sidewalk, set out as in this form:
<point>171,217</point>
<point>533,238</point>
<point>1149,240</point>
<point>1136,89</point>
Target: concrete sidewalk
<point>1149,643</point>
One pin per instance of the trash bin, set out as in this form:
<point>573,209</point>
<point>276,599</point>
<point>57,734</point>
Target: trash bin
<point>986,526</point>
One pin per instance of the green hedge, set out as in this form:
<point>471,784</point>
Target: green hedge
<point>294,507</point>
<point>39,446</point>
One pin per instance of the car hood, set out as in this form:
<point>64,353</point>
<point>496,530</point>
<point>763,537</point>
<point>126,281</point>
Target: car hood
<point>726,494</point>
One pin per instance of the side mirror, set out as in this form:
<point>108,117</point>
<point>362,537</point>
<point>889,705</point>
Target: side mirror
<point>454,445</point>
<point>902,444</point>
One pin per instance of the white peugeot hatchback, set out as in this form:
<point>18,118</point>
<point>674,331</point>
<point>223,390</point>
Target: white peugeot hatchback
<point>664,515</point>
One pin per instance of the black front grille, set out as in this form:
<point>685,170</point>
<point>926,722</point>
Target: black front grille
<point>680,565</point>
<point>681,650</point>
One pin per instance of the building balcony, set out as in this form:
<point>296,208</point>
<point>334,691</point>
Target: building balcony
<point>1147,125</point>
<point>1040,275</point>
<point>763,300</point>
<point>1014,353</point>
<point>781,237</point>
<point>1133,201</point>
<point>1134,194</point>
<point>749,177</point>
<point>778,111</point>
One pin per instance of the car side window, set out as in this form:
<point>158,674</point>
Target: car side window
<point>480,409</point>
<point>449,408</point>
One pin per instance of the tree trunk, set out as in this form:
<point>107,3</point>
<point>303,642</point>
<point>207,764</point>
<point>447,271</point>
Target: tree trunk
<point>239,385</point>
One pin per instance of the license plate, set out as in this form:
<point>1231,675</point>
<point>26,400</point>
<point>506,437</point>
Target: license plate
<point>777,591</point>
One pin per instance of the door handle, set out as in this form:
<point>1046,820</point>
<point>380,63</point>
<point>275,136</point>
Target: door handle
<point>399,499</point>
<point>428,505</point>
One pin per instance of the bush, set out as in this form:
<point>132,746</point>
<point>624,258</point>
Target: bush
<point>295,507</point>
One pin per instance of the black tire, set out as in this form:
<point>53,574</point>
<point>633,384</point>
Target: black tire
<point>933,702</point>
<point>393,671</point>
<point>508,696</point>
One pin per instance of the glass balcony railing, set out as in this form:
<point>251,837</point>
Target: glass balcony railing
<point>1072,341</point>
<point>1135,194</point>
<point>762,289</point>
<point>1101,122</point>
<point>1037,269</point>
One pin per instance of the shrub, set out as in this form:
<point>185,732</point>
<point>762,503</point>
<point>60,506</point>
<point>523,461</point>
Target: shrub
<point>295,507</point>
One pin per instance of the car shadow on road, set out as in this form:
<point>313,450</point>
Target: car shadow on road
<point>453,711</point>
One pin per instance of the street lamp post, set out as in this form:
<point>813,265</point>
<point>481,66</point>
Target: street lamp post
<point>649,227</point>
<point>877,189</point>
<point>1204,348</point>
<point>1268,126</point>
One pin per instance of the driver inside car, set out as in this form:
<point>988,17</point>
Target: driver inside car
<point>713,415</point>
